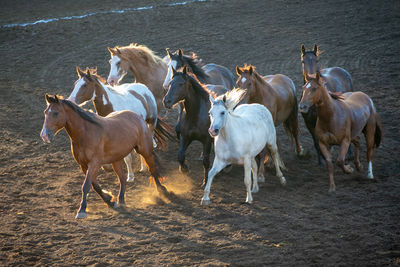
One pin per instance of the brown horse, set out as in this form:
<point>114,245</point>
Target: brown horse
<point>99,140</point>
<point>336,80</point>
<point>341,119</point>
<point>145,66</point>
<point>278,94</point>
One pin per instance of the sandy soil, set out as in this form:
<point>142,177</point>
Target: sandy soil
<point>300,224</point>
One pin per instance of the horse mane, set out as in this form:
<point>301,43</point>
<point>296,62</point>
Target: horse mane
<point>336,95</point>
<point>232,98</point>
<point>201,89</point>
<point>93,72</point>
<point>194,62</point>
<point>84,114</point>
<point>139,51</point>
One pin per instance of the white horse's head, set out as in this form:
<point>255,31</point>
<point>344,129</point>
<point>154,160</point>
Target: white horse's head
<point>218,114</point>
<point>117,70</point>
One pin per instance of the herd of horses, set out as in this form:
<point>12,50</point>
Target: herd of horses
<point>237,117</point>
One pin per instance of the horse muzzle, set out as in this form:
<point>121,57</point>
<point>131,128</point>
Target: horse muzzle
<point>112,81</point>
<point>47,135</point>
<point>304,107</point>
<point>167,103</point>
<point>213,132</point>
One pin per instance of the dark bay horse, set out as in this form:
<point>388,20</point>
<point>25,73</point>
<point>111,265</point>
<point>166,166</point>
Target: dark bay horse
<point>97,140</point>
<point>336,80</point>
<point>195,121</point>
<point>207,74</point>
<point>278,94</point>
<point>341,118</point>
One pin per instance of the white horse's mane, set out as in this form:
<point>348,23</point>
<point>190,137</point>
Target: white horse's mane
<point>232,98</point>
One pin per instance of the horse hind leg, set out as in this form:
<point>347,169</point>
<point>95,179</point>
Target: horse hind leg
<point>356,143</point>
<point>128,163</point>
<point>255,175</point>
<point>247,179</point>
<point>341,157</point>
<point>277,162</point>
<point>119,170</point>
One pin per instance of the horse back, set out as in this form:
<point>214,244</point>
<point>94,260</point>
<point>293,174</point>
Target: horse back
<point>337,79</point>
<point>219,75</point>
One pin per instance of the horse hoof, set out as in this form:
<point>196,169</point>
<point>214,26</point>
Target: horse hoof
<point>348,169</point>
<point>370,176</point>
<point>205,202</point>
<point>184,169</point>
<point>113,204</point>
<point>130,178</point>
<point>261,179</point>
<point>121,205</point>
<point>81,215</point>
<point>249,201</point>
<point>254,190</point>
<point>283,181</point>
<point>332,190</point>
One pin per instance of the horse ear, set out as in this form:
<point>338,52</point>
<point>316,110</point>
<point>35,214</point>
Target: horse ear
<point>224,99</point>
<point>238,71</point>
<point>211,98</point>
<point>117,51</point>
<point>112,51</point>
<point>48,98</point>
<point>180,53</point>
<point>251,70</point>
<point>318,76</point>
<point>303,49</point>
<point>168,52</point>
<point>79,71</point>
<point>88,72</point>
<point>55,99</point>
<point>315,50</point>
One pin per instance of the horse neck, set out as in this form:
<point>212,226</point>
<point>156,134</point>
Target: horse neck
<point>101,93</point>
<point>258,90</point>
<point>325,105</point>
<point>194,100</point>
<point>148,74</point>
<point>75,125</point>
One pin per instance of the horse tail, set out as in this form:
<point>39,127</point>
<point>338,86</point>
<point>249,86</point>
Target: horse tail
<point>162,133</point>
<point>378,132</point>
<point>291,124</point>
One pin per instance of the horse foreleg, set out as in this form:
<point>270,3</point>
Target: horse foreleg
<point>344,146</point>
<point>217,166</point>
<point>254,170</point>
<point>247,179</point>
<point>90,176</point>
<point>310,119</point>
<point>128,163</point>
<point>206,159</point>
<point>183,145</point>
<point>325,150</point>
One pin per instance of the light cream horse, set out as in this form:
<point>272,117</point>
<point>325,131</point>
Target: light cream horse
<point>143,63</point>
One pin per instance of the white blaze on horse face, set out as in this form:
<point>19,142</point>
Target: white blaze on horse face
<point>308,85</point>
<point>115,74</point>
<point>167,80</point>
<point>74,93</point>
<point>243,80</point>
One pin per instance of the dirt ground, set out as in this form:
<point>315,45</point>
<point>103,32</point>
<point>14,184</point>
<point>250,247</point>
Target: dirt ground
<point>300,224</point>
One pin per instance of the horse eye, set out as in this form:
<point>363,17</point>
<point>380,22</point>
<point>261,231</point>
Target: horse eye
<point>314,89</point>
<point>222,112</point>
<point>303,61</point>
<point>119,63</point>
<point>55,114</point>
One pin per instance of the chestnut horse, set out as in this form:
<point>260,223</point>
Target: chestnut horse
<point>341,118</point>
<point>194,121</point>
<point>278,94</point>
<point>144,64</point>
<point>97,140</point>
<point>135,97</point>
<point>336,80</point>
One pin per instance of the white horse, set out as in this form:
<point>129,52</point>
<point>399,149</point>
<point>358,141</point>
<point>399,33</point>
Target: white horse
<point>240,133</point>
<point>135,97</point>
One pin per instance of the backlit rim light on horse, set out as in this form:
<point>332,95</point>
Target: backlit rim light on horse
<point>120,11</point>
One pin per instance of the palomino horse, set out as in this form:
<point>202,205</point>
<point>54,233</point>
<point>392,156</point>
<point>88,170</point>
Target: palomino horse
<point>278,94</point>
<point>340,120</point>
<point>336,80</point>
<point>194,123</point>
<point>208,74</point>
<point>240,133</point>
<point>145,66</point>
<point>97,140</point>
<point>135,97</point>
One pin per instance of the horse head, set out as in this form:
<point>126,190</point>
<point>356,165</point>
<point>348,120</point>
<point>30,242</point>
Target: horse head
<point>118,66</point>
<point>310,62</point>
<point>84,87</point>
<point>218,114</point>
<point>177,87</point>
<point>54,118</point>
<point>311,93</point>
<point>245,76</point>
<point>176,61</point>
